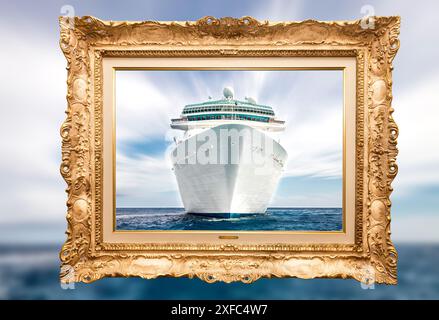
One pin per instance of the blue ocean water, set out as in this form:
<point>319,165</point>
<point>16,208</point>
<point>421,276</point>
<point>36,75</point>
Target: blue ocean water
<point>309,219</point>
<point>32,272</point>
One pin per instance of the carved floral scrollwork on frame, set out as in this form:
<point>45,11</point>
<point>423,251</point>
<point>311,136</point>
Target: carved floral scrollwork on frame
<point>85,42</point>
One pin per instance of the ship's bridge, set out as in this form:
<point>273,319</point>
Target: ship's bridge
<point>227,110</point>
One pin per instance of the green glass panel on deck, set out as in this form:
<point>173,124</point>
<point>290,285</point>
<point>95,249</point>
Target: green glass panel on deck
<point>228,116</point>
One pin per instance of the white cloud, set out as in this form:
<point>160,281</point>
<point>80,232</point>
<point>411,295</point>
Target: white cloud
<point>315,147</point>
<point>311,199</point>
<point>145,181</point>
<point>142,109</point>
<point>278,10</point>
<point>146,102</point>
<point>417,114</point>
<point>33,90</point>
<point>419,228</point>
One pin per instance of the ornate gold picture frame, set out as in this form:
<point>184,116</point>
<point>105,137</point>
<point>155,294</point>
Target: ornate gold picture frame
<point>363,250</point>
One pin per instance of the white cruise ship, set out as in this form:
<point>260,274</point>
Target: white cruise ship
<point>228,162</point>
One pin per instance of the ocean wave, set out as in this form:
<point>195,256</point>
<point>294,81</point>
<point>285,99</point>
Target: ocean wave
<point>142,215</point>
<point>298,219</point>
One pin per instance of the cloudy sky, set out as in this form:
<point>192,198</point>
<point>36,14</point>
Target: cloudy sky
<point>147,100</point>
<point>32,91</point>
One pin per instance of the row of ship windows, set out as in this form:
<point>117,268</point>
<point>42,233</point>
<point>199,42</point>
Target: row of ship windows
<point>227,117</point>
<point>209,109</point>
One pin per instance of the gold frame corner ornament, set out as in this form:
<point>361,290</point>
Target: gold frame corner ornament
<point>86,41</point>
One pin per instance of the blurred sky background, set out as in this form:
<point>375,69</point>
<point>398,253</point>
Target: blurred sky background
<point>33,102</point>
<point>144,108</point>
<point>32,91</point>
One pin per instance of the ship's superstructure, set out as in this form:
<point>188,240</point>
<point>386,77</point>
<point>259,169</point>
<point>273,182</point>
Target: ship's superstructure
<point>227,163</point>
<point>216,112</point>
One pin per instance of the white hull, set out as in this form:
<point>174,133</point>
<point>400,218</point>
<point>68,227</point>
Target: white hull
<point>229,189</point>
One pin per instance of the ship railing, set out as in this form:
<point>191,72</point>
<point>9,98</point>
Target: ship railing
<point>179,120</point>
<point>276,121</point>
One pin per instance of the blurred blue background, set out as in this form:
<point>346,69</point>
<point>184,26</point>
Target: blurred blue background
<point>32,273</point>
<point>32,91</point>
